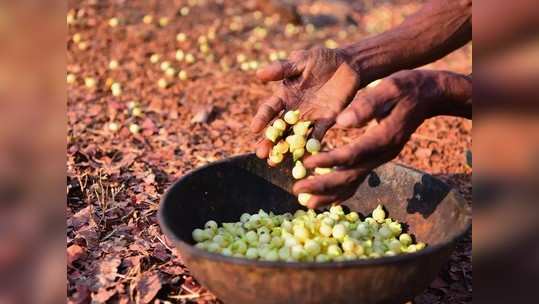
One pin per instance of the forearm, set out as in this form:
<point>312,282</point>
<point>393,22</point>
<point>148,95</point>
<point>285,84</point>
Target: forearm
<point>438,28</point>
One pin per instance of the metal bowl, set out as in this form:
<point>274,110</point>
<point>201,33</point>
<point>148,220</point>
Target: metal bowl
<point>223,190</point>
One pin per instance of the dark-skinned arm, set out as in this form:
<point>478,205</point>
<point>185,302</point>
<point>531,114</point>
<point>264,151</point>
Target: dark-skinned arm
<point>437,29</point>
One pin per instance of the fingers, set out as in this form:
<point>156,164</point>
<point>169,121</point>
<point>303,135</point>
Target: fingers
<point>321,200</point>
<point>373,103</point>
<point>320,127</point>
<point>266,112</point>
<point>317,201</point>
<point>330,183</point>
<point>280,70</point>
<point>338,157</point>
<point>370,147</point>
<point>263,148</point>
<point>330,188</point>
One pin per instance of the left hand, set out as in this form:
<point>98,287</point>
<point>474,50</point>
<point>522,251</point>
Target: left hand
<point>400,104</point>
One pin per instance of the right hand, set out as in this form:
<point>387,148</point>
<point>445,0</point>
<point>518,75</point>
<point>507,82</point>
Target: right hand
<point>318,82</point>
<point>400,103</point>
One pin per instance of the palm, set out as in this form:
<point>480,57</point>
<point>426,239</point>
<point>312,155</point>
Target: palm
<point>315,93</point>
<point>318,82</point>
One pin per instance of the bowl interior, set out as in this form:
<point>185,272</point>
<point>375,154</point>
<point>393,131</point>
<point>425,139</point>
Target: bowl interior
<point>222,191</point>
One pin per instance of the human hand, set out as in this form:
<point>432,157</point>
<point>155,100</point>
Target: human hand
<point>400,104</point>
<point>318,82</point>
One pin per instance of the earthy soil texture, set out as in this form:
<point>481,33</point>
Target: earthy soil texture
<point>121,158</point>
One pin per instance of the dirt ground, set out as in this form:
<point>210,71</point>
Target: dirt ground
<point>115,249</point>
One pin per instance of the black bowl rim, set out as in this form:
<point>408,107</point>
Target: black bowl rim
<point>428,250</point>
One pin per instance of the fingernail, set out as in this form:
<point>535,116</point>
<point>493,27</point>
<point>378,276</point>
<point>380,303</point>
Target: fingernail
<point>261,153</point>
<point>346,119</point>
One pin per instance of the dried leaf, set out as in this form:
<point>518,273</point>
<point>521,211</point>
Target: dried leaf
<point>107,271</point>
<point>132,261</point>
<point>423,153</point>
<point>160,252</point>
<point>203,115</point>
<point>149,178</point>
<point>95,110</point>
<point>103,295</point>
<point>74,252</point>
<point>175,270</point>
<point>438,283</point>
<point>80,218</point>
<point>286,11</point>
<point>156,105</point>
<point>148,286</point>
<point>82,295</point>
<point>149,127</point>
<point>90,235</point>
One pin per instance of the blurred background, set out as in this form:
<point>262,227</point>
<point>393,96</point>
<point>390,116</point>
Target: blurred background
<point>156,88</point>
<point>506,147</point>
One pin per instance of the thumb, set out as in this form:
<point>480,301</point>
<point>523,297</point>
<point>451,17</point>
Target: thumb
<point>280,70</point>
<point>371,104</point>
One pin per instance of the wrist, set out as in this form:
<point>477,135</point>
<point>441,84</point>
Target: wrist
<point>456,95</point>
<point>362,63</point>
<point>365,61</point>
<point>379,56</point>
